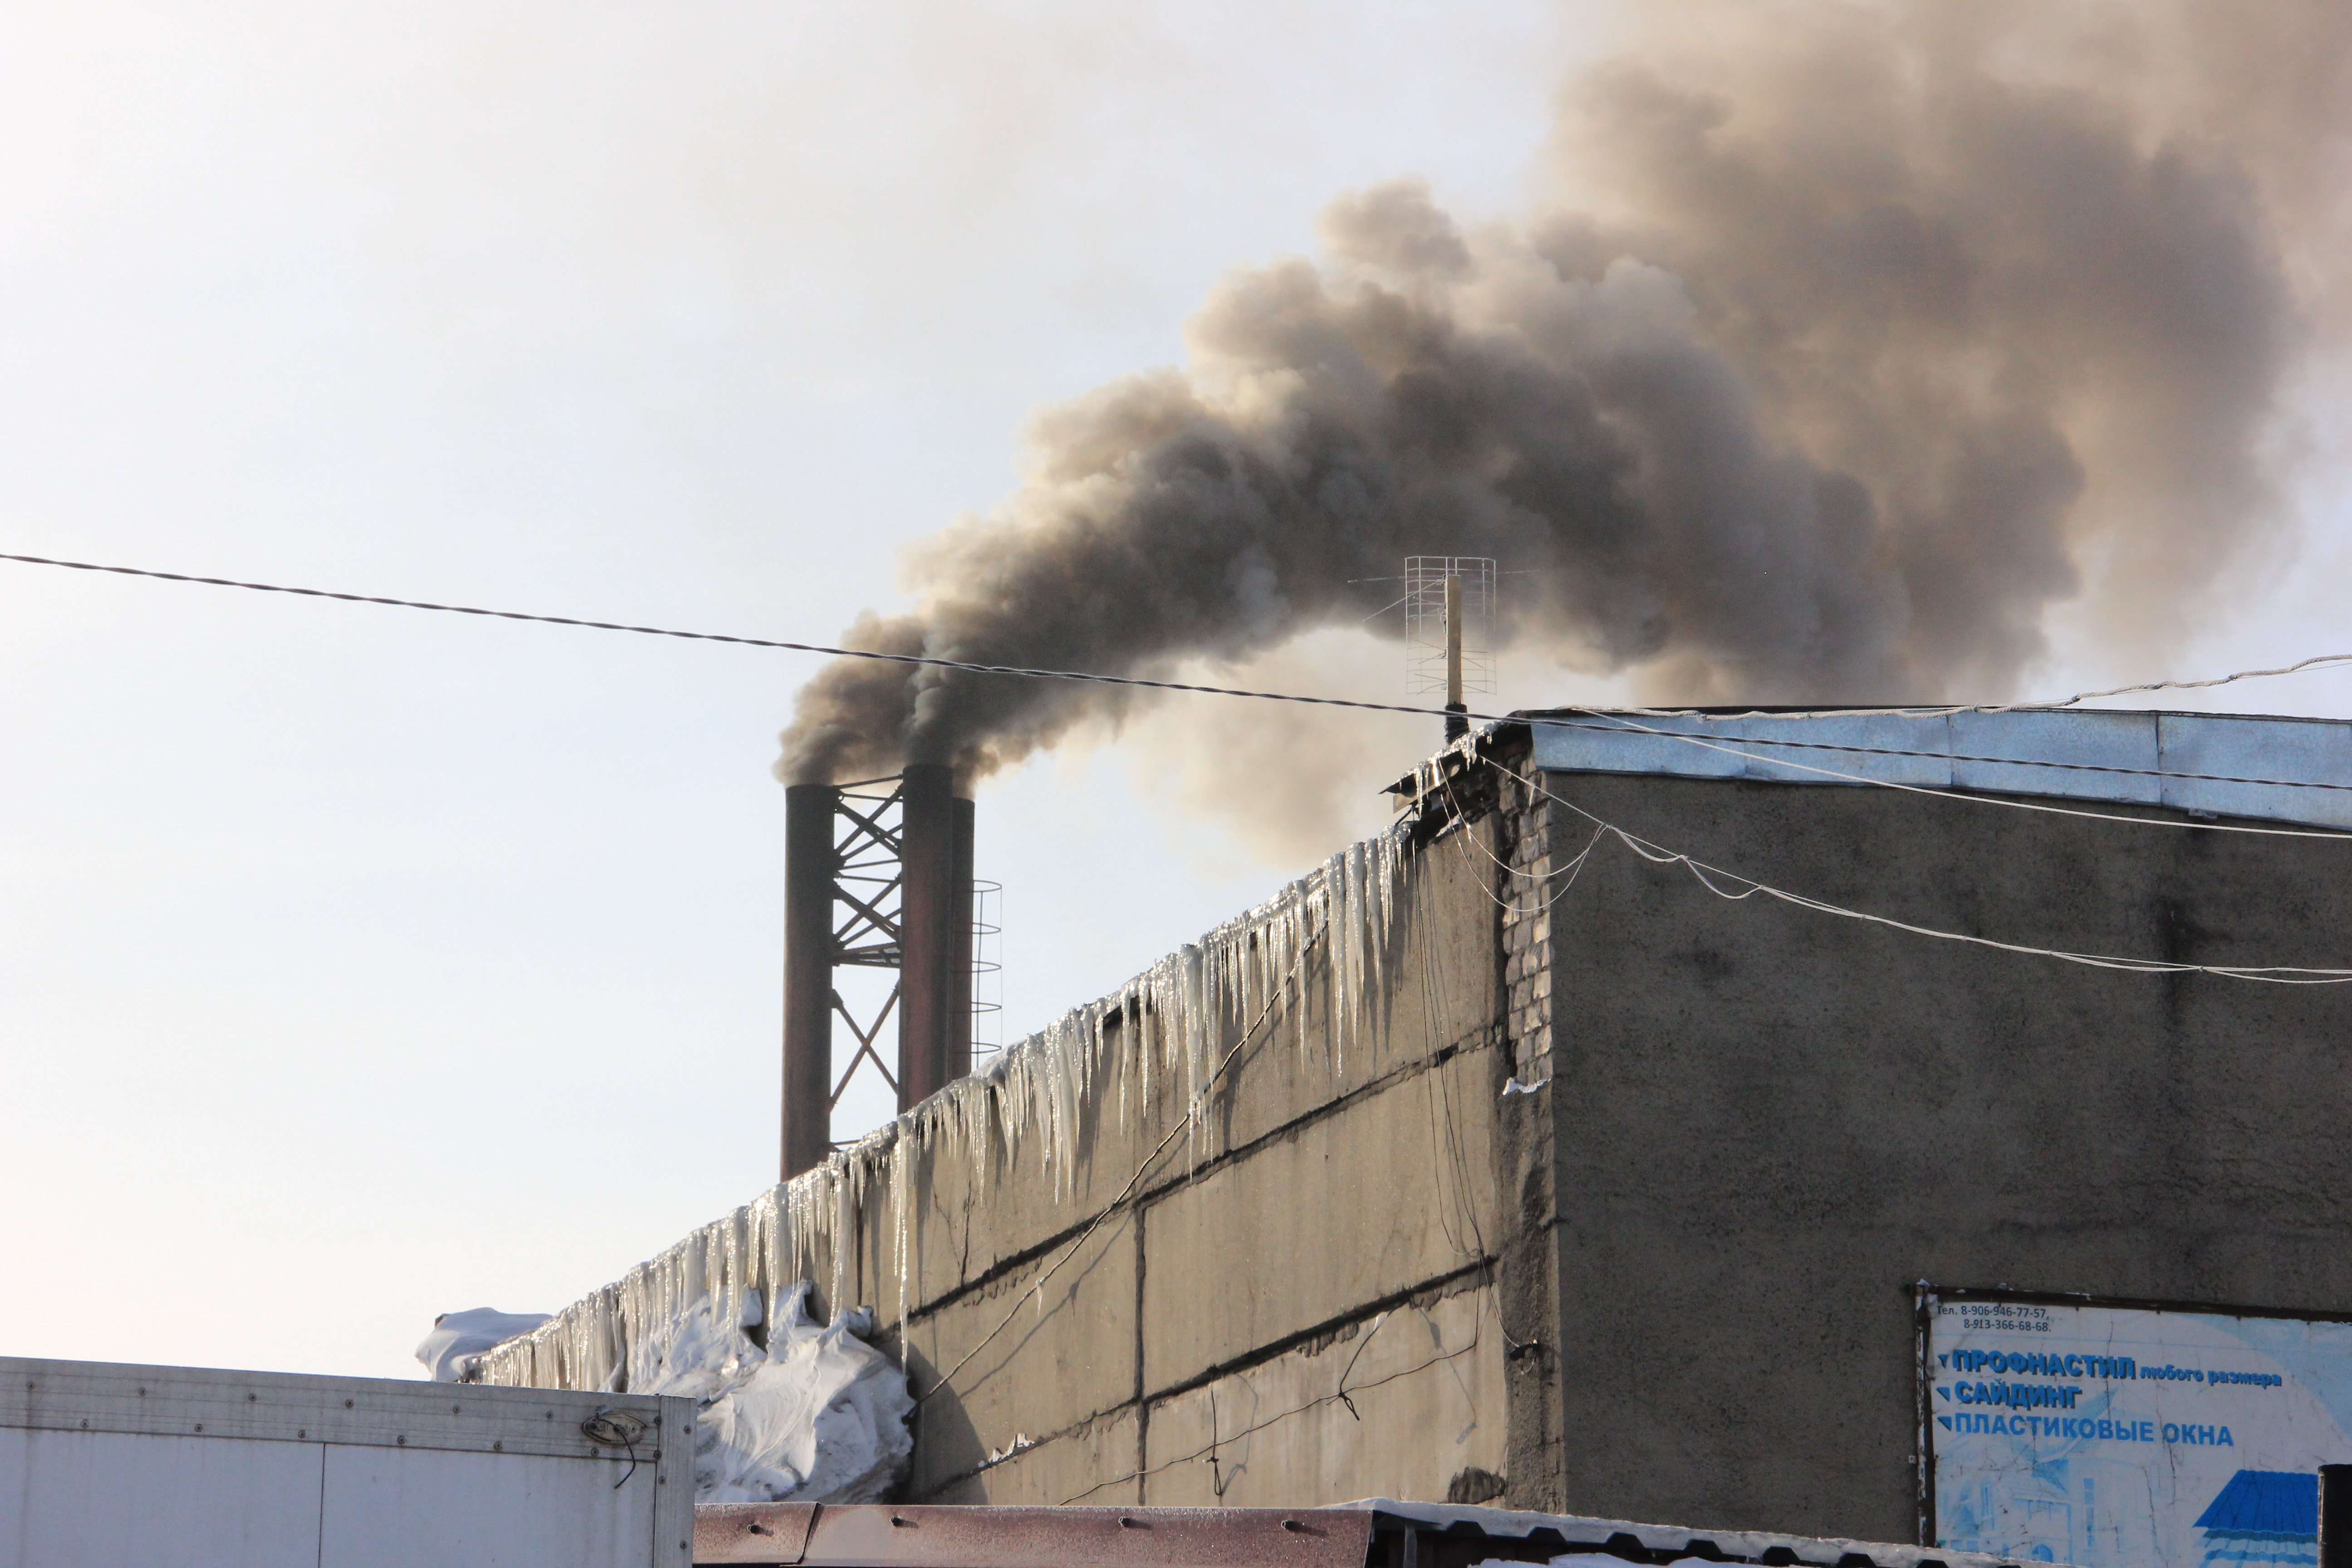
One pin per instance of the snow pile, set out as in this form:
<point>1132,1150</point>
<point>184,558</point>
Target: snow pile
<point>812,1415</point>
<point>816,1415</point>
<point>459,1339</point>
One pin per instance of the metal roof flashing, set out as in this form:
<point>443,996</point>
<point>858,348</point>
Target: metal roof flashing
<point>2209,765</point>
<point>1565,1534</point>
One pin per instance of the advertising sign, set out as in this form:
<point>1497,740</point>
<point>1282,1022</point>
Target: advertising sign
<point>2115,1436</point>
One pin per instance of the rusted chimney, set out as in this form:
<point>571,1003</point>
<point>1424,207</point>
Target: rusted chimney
<point>929,929</point>
<point>811,866</point>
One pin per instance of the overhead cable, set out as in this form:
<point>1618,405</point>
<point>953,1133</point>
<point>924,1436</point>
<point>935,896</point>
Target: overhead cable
<point>1703,872</point>
<point>1518,910</point>
<point>926,661</point>
<point>1038,673</point>
<point>1733,887</point>
<point>2314,662</point>
<point>1621,718</point>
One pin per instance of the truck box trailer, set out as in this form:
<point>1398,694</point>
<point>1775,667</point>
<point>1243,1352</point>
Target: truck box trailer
<point>191,1468</point>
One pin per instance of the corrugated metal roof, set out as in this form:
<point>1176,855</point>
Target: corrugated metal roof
<point>2265,1502</point>
<point>1669,1542</point>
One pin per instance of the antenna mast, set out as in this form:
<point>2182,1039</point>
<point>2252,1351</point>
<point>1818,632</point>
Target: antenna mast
<point>1457,722</point>
<point>1449,631</point>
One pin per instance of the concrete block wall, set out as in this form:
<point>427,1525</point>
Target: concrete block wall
<point>1407,1398</point>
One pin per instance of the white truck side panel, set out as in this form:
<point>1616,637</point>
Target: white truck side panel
<point>406,1507</point>
<point>89,1497</point>
<point>105,1466</point>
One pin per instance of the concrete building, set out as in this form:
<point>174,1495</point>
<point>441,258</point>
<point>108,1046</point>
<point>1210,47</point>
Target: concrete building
<point>1530,1155</point>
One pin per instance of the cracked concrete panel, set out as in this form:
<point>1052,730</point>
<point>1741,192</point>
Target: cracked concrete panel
<point>1424,1417</point>
<point>1094,1464</point>
<point>1390,1193</point>
<point>1058,1356</point>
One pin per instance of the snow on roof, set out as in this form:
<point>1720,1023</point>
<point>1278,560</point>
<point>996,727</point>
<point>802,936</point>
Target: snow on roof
<point>2223,764</point>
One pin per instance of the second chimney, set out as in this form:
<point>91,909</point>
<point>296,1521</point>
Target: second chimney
<point>934,934</point>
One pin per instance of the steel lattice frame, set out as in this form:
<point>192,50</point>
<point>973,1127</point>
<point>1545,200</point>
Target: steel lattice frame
<point>869,873</point>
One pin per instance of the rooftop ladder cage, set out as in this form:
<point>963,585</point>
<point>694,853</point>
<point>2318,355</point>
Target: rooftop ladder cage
<point>1424,623</point>
<point>987,968</point>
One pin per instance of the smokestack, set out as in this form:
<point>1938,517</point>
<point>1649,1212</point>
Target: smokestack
<point>1457,722</point>
<point>810,869</point>
<point>934,911</point>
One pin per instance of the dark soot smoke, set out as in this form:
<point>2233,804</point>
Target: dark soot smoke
<point>1860,336</point>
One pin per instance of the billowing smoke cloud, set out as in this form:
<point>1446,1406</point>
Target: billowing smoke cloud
<point>1855,338</point>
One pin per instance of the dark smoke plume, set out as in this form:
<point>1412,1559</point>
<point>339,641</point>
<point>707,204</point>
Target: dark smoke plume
<point>1857,337</point>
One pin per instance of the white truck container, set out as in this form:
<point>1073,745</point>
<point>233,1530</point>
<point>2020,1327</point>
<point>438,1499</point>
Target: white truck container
<point>157,1467</point>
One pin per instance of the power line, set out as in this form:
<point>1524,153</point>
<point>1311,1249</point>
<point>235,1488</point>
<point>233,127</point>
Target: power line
<point>1621,718</point>
<point>1572,868</point>
<point>1036,673</point>
<point>2314,662</point>
<point>1707,876</point>
<point>914,658</point>
<point>1701,870</point>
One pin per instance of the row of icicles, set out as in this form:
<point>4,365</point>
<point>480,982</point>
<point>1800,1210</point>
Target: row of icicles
<point>1037,1105</point>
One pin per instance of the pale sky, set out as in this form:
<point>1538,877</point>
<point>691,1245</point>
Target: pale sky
<point>358,965</point>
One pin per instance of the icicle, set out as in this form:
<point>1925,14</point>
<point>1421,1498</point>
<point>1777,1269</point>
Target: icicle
<point>1037,1107</point>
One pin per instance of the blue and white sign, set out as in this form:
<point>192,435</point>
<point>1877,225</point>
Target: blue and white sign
<point>2121,1438</point>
